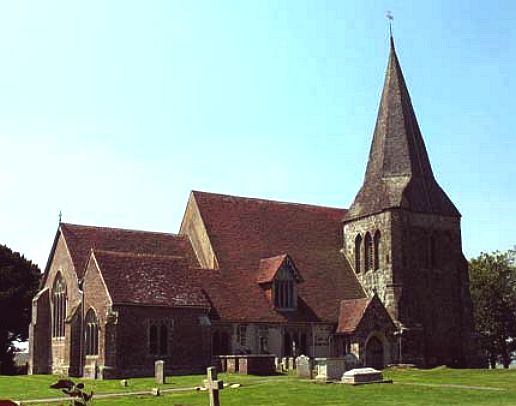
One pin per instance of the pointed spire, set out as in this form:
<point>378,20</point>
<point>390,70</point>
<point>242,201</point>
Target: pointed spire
<point>398,172</point>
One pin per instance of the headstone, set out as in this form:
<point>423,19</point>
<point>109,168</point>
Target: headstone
<point>155,392</point>
<point>213,385</point>
<point>362,375</point>
<point>291,363</point>
<point>123,383</point>
<point>277,364</point>
<point>304,367</point>
<point>284,364</point>
<point>159,371</point>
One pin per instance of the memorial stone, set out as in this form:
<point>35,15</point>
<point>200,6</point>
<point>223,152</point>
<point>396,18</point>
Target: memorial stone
<point>159,372</point>
<point>304,367</point>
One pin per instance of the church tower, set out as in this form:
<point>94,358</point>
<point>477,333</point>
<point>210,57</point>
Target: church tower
<point>402,236</point>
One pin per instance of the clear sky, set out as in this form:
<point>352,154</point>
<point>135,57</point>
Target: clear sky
<point>112,111</point>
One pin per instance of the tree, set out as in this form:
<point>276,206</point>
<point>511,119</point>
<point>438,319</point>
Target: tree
<point>493,291</point>
<point>19,280</point>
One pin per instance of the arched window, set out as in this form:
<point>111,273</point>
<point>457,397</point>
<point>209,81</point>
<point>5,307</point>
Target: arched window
<point>163,339</point>
<point>59,309</point>
<point>368,254</point>
<point>376,250</point>
<point>159,334</point>
<point>358,247</point>
<point>153,339</point>
<point>91,339</point>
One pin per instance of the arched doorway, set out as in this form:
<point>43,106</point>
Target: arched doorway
<point>374,353</point>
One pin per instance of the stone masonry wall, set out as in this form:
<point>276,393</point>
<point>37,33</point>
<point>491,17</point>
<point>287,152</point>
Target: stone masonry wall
<point>189,344</point>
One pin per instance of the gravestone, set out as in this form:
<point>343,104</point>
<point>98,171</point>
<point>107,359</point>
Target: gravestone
<point>213,385</point>
<point>277,364</point>
<point>284,364</point>
<point>362,375</point>
<point>304,367</point>
<point>159,372</point>
<point>291,363</point>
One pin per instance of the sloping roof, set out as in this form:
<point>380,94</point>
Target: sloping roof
<point>398,172</point>
<point>144,279</point>
<point>82,239</point>
<point>243,231</point>
<point>351,313</point>
<point>270,266</point>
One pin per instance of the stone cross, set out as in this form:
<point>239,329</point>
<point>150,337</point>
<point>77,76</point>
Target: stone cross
<point>213,385</point>
<point>159,372</point>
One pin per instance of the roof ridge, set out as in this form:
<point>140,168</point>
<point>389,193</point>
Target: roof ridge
<point>129,230</point>
<point>135,254</point>
<point>273,201</point>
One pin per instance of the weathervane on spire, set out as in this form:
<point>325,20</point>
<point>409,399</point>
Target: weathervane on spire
<point>389,17</point>
<point>60,216</point>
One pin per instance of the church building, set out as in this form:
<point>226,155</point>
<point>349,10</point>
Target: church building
<point>384,281</point>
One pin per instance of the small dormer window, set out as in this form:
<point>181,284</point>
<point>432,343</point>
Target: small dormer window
<point>279,277</point>
<point>284,290</point>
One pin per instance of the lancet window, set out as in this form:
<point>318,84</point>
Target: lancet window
<point>358,248</point>
<point>368,252</point>
<point>91,333</point>
<point>59,309</point>
<point>376,250</point>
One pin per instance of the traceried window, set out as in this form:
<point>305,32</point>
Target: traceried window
<point>284,290</point>
<point>159,336</point>
<point>376,250</point>
<point>59,307</point>
<point>358,248</point>
<point>368,252</point>
<point>91,333</point>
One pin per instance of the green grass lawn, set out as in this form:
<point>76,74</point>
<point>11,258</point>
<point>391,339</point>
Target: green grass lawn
<point>411,387</point>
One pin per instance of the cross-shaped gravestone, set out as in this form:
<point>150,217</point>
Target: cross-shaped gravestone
<point>213,385</point>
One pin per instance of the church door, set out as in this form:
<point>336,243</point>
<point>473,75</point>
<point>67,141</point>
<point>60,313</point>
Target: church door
<point>374,353</point>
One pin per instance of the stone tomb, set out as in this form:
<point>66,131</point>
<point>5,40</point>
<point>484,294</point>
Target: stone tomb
<point>362,375</point>
<point>255,364</point>
<point>329,369</point>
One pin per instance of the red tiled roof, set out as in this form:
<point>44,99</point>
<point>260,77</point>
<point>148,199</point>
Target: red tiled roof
<point>351,313</point>
<point>243,231</point>
<point>144,279</point>
<point>82,239</point>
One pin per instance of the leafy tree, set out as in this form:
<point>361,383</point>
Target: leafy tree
<point>493,291</point>
<point>19,280</point>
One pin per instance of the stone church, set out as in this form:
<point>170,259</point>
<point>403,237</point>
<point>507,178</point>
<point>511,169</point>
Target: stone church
<point>385,280</point>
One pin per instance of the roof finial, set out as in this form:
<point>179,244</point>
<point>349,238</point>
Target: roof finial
<point>390,17</point>
<point>60,216</point>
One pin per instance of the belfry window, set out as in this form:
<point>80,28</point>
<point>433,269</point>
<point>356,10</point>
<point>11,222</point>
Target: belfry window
<point>376,250</point>
<point>59,309</point>
<point>368,252</point>
<point>284,290</point>
<point>91,333</point>
<point>358,247</point>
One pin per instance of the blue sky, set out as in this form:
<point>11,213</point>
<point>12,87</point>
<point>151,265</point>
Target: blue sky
<point>113,111</point>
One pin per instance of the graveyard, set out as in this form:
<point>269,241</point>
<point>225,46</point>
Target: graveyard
<point>410,387</point>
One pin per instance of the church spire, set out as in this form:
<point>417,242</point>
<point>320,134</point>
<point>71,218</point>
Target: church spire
<point>399,174</point>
